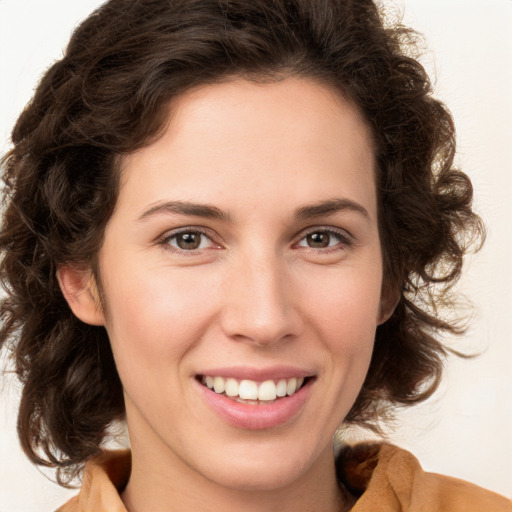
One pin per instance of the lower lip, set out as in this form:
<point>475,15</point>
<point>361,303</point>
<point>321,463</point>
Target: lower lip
<point>257,417</point>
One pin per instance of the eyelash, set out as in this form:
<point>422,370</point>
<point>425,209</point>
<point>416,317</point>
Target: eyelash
<point>166,239</point>
<point>344,240</point>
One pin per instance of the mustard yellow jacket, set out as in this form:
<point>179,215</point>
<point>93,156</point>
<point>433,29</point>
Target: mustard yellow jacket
<point>383,477</point>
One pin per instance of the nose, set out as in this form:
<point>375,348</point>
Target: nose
<point>259,305</point>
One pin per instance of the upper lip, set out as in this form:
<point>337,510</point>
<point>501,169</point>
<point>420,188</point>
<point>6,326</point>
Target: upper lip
<point>258,374</point>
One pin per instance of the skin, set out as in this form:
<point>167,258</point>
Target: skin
<point>256,293</point>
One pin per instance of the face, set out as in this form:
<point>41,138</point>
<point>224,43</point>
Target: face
<point>242,278</point>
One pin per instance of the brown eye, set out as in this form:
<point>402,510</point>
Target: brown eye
<point>318,240</point>
<point>189,241</point>
<point>324,239</point>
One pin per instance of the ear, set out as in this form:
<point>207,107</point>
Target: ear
<point>81,293</point>
<point>388,302</point>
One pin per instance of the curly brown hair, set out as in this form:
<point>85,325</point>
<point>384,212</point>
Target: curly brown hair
<point>108,96</point>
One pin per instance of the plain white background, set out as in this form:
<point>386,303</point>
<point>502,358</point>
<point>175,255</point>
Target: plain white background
<point>465,430</point>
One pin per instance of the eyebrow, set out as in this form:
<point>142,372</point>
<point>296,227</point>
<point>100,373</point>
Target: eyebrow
<point>330,207</point>
<point>185,208</point>
<point>207,211</point>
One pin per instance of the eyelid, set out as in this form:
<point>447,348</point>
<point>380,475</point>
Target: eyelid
<point>346,238</point>
<point>168,235</point>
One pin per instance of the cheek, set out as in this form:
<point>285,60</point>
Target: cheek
<point>343,308</point>
<point>345,299</point>
<point>156,316</point>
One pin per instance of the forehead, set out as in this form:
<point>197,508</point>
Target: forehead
<point>241,141</point>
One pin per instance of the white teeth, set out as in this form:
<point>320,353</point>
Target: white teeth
<point>281,388</point>
<point>219,384</point>
<point>266,391</point>
<point>231,387</point>
<point>248,390</point>
<point>291,386</point>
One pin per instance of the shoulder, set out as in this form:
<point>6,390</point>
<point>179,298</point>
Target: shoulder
<point>387,478</point>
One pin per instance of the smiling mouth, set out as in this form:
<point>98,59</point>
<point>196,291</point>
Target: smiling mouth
<point>251,392</point>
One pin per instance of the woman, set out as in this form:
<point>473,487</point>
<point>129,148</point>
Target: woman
<point>147,281</point>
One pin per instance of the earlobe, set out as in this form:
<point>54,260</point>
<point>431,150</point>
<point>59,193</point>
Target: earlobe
<point>388,303</point>
<point>81,293</point>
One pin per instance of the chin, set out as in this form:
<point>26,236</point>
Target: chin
<point>269,476</point>
<point>266,467</point>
